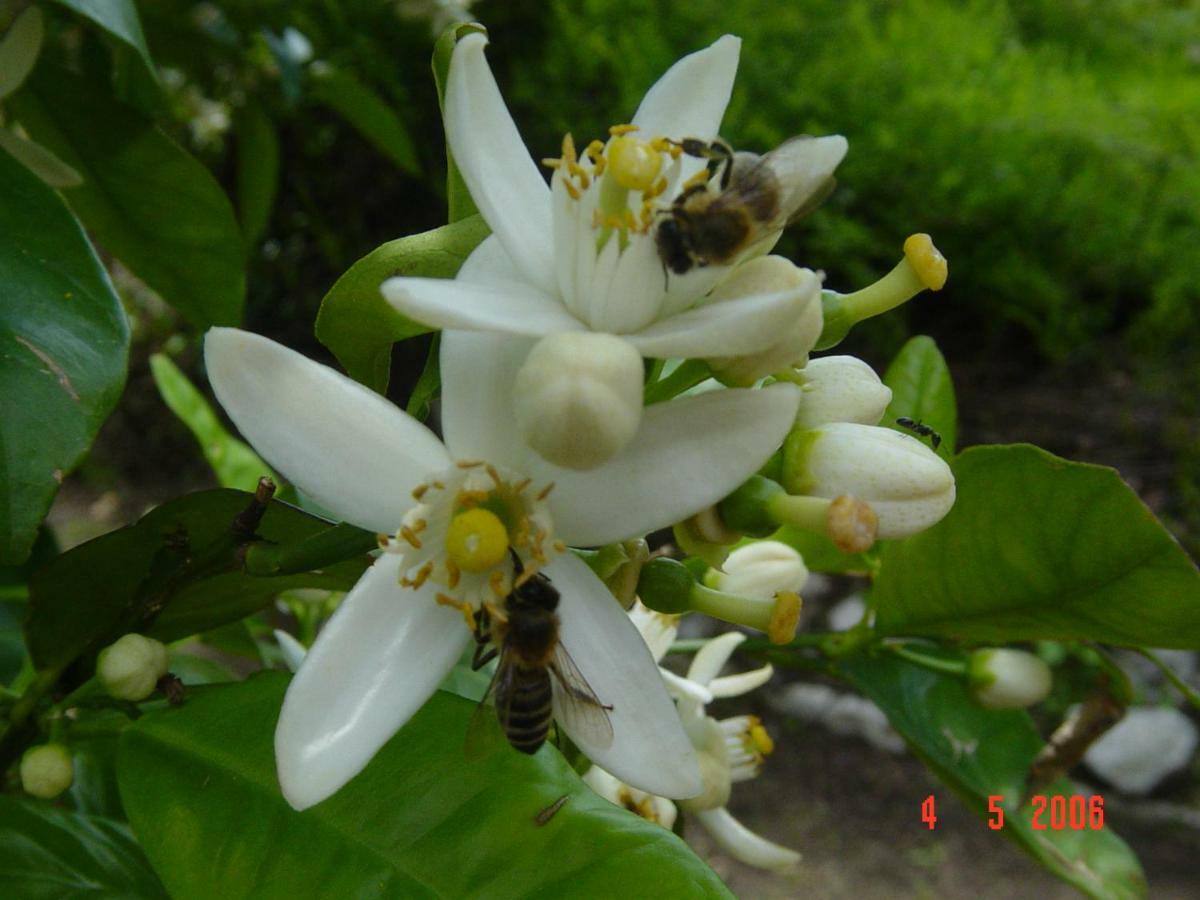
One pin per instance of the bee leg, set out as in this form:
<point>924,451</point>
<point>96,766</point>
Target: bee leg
<point>482,656</point>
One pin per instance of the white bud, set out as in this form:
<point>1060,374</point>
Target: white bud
<point>907,485</point>
<point>130,668</point>
<point>1008,679</point>
<point>578,398</point>
<point>841,389</point>
<point>46,771</point>
<point>761,569</point>
<point>771,275</point>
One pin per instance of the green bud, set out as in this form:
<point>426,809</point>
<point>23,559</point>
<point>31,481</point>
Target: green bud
<point>746,510</point>
<point>837,320</point>
<point>47,771</point>
<point>130,668</point>
<point>665,586</point>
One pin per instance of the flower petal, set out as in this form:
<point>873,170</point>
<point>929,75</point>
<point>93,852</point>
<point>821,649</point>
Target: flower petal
<point>507,306</point>
<point>292,650</point>
<point>657,629</point>
<point>690,99</point>
<point>503,179</point>
<point>729,328</point>
<point>649,750</point>
<point>378,659</point>
<point>478,372</point>
<point>711,658</point>
<point>743,844</point>
<point>684,688</point>
<point>348,448</point>
<point>688,454</point>
<point>741,683</point>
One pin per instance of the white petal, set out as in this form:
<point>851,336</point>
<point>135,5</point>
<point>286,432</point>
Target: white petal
<point>729,328</point>
<point>478,372</point>
<point>348,448</point>
<point>742,683</point>
<point>688,454</point>
<point>657,629</point>
<point>382,654</point>
<point>649,750</point>
<point>690,99</point>
<point>684,688</point>
<point>507,306</point>
<point>743,844</point>
<point>637,289</point>
<point>292,650</point>
<point>711,658</point>
<point>489,263</point>
<point>503,179</point>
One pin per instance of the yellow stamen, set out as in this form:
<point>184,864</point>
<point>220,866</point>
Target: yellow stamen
<point>568,150</point>
<point>423,574</point>
<point>619,130</point>
<point>476,540</point>
<point>469,463</point>
<point>785,618</point>
<point>851,524</point>
<point>759,739</point>
<point>545,492</point>
<point>552,162</point>
<point>453,575</point>
<point>462,606</point>
<point>383,540</point>
<point>926,260</point>
<point>411,536</point>
<point>496,582</point>
<point>419,491</point>
<point>595,151</point>
<point>572,191</point>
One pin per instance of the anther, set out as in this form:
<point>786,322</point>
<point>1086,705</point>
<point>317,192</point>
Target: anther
<point>552,162</point>
<point>618,130</point>
<point>462,606</point>
<point>568,150</point>
<point>572,191</point>
<point>419,491</point>
<point>411,536</point>
<point>545,492</point>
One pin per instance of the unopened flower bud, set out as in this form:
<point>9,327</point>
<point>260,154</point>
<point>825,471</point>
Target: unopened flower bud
<point>841,389</point>
<point>761,569</point>
<point>46,771</point>
<point>579,398</point>
<point>772,275</point>
<point>907,485</point>
<point>1003,678</point>
<point>130,668</point>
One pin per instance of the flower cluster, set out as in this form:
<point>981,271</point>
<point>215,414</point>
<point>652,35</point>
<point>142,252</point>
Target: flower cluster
<point>620,356</point>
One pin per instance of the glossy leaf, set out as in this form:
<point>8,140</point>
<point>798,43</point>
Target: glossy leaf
<point>63,347</point>
<point>368,113</point>
<point>174,573</point>
<point>1040,547</point>
<point>257,170</point>
<point>922,390</point>
<point>458,199</point>
<point>983,753</point>
<point>144,198</point>
<point>19,49</point>
<point>236,465</point>
<point>38,160</point>
<point>359,326</point>
<point>94,790</point>
<point>48,854</point>
<point>419,821</point>
<point>119,19</point>
<point>426,388</point>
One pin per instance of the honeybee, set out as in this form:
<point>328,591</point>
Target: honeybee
<point>757,196</point>
<point>536,680</point>
<point>917,427</point>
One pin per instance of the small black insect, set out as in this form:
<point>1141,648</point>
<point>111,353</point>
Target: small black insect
<point>916,426</point>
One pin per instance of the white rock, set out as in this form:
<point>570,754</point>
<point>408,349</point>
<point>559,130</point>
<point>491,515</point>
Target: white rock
<point>848,613</point>
<point>1145,747</point>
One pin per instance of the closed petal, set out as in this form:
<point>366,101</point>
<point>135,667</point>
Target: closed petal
<point>743,844</point>
<point>690,99</point>
<point>503,179</point>
<point>649,750</point>
<point>345,446</point>
<point>509,307</point>
<point>741,683</point>
<point>729,328</point>
<point>687,455</point>
<point>711,658</point>
<point>376,662</point>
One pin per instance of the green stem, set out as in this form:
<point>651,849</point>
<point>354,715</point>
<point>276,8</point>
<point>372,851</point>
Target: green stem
<point>331,546</point>
<point>686,375</point>
<point>1180,685</point>
<point>945,666</point>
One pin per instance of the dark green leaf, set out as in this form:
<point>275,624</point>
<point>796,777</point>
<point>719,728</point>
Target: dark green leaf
<point>19,49</point>
<point>983,753</point>
<point>369,114</point>
<point>94,790</point>
<point>922,390</point>
<point>144,198</point>
<point>1040,547</point>
<point>182,554</point>
<point>427,385</point>
<point>458,198</point>
<point>257,170</point>
<point>12,642</point>
<point>63,347</point>
<point>120,19</point>
<point>50,854</point>
<point>359,326</point>
<point>419,821</point>
<point>235,464</point>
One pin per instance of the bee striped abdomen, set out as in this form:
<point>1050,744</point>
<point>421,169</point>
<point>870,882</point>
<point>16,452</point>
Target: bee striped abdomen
<point>529,710</point>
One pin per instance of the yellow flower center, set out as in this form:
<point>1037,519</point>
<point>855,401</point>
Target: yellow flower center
<point>476,540</point>
<point>634,163</point>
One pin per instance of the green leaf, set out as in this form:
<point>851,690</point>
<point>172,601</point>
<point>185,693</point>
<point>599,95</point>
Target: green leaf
<point>359,326</point>
<point>19,50</point>
<point>820,555</point>
<point>922,390</point>
<point>38,160</point>
<point>48,854</point>
<point>12,644</point>
<point>458,198</point>
<point>367,113</point>
<point>257,170</point>
<point>235,464</point>
<point>1040,547</point>
<point>982,753</point>
<point>94,790</point>
<point>63,347</point>
<point>144,198</point>
<point>174,573</point>
<point>119,18</point>
<point>419,821</point>
<point>427,385</point>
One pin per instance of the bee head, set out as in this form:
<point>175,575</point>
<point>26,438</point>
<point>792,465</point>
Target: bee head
<point>673,246</point>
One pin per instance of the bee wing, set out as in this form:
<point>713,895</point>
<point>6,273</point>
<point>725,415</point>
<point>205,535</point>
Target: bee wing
<point>576,705</point>
<point>803,167</point>
<point>484,734</point>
